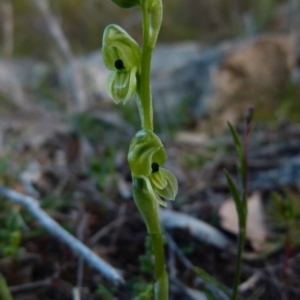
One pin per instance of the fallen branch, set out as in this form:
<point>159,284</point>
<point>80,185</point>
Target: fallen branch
<point>75,80</point>
<point>54,228</point>
<point>31,286</point>
<point>193,294</point>
<point>197,228</point>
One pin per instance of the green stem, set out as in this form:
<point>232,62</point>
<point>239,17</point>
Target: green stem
<point>149,210</point>
<point>243,217</point>
<point>145,88</point>
<point>238,265</point>
<point>144,201</point>
<point>161,286</point>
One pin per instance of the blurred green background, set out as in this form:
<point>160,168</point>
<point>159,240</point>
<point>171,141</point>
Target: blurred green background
<point>83,22</point>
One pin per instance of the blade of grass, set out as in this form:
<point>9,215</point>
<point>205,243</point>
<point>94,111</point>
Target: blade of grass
<point>239,149</point>
<point>4,290</point>
<point>235,137</point>
<point>236,197</point>
<point>257,293</point>
<point>210,279</point>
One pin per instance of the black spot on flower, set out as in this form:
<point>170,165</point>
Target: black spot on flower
<point>119,64</point>
<point>155,167</point>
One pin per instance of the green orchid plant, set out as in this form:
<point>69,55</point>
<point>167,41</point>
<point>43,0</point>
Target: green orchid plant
<point>130,75</point>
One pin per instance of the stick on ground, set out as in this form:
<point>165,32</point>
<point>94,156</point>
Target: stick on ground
<point>32,205</point>
<point>75,80</point>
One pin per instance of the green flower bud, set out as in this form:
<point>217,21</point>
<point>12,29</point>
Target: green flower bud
<point>154,15</point>
<point>126,3</point>
<point>146,156</point>
<point>122,55</point>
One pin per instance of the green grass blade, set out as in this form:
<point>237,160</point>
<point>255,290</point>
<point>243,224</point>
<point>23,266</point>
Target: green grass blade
<point>257,294</point>
<point>236,197</point>
<point>210,279</point>
<point>4,291</point>
<point>235,136</point>
<point>237,141</point>
<point>147,294</point>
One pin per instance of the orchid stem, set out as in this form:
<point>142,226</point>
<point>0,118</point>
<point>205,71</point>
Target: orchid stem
<point>148,208</point>
<point>145,89</point>
<point>161,284</point>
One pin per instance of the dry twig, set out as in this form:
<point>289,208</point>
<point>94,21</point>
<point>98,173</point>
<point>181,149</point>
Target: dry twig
<point>14,86</point>
<point>54,228</point>
<point>32,286</point>
<point>197,228</point>
<point>76,82</point>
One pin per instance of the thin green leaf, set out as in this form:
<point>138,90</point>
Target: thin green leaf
<point>210,279</point>
<point>235,136</point>
<point>237,142</point>
<point>147,294</point>
<point>257,293</point>
<point>243,168</point>
<point>4,291</point>
<point>210,295</point>
<point>236,197</point>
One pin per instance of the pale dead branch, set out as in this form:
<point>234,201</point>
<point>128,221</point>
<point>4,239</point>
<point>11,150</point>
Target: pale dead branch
<point>197,228</point>
<point>54,228</point>
<point>31,286</point>
<point>75,79</point>
<point>188,264</point>
<point>189,293</point>
<point>250,283</point>
<point>7,22</point>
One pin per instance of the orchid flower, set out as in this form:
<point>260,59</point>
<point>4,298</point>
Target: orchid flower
<point>146,156</point>
<point>121,55</point>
